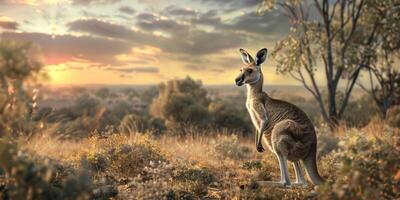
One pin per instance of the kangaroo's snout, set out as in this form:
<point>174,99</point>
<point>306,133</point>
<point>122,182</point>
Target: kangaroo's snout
<point>239,80</point>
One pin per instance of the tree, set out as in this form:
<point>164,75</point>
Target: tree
<point>330,41</point>
<point>18,65</point>
<point>384,74</point>
<point>181,102</point>
<point>149,94</point>
<point>103,93</point>
<point>227,115</point>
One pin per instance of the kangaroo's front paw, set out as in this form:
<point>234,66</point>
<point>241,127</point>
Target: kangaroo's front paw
<point>260,148</point>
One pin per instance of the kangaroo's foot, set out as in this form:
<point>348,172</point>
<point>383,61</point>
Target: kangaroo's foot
<point>300,180</point>
<point>300,184</point>
<point>274,184</point>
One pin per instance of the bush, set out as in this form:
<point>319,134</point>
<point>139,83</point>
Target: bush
<point>227,115</point>
<point>182,102</point>
<point>18,65</point>
<point>359,112</point>
<point>130,160</point>
<point>326,144</point>
<point>365,169</point>
<point>132,124</point>
<point>155,182</point>
<point>195,181</point>
<point>393,116</point>
<point>29,180</point>
<point>229,147</point>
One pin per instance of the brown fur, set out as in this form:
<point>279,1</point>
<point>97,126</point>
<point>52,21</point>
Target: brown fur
<point>288,131</point>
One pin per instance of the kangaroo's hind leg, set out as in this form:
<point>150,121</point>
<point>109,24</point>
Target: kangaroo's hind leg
<point>285,180</point>
<point>282,145</point>
<point>300,180</point>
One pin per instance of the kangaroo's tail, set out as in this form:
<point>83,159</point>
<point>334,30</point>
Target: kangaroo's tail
<point>310,164</point>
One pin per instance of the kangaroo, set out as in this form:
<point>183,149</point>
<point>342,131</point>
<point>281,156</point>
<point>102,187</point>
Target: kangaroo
<point>284,127</point>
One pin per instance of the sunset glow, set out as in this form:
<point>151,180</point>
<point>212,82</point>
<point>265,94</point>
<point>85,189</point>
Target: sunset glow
<point>142,41</point>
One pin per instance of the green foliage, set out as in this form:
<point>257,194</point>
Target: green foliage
<point>18,65</point>
<point>103,93</point>
<point>133,123</point>
<point>181,102</point>
<point>359,112</point>
<point>184,104</point>
<point>225,114</point>
<point>326,144</point>
<point>17,62</point>
<point>150,94</point>
<point>86,105</point>
<point>27,179</point>
<point>365,168</point>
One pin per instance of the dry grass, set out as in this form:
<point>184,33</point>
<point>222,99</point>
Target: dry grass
<point>191,167</point>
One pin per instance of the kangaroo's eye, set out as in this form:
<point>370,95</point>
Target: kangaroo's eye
<point>249,70</point>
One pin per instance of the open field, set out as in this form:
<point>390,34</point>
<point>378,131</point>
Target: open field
<point>138,166</point>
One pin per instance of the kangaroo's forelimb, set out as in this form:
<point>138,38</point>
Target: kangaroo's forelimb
<point>260,114</point>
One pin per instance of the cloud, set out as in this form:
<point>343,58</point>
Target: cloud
<point>76,2</point>
<point>13,2</point>
<point>127,10</point>
<point>135,70</point>
<point>145,17</point>
<point>8,23</point>
<point>64,48</point>
<point>176,11</point>
<point>210,18</point>
<point>215,64</point>
<point>87,2</point>
<point>182,38</point>
<point>271,25</point>
<point>150,22</point>
<point>233,3</point>
<point>186,37</point>
<point>100,28</point>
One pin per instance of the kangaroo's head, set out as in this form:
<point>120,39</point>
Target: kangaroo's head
<point>251,72</point>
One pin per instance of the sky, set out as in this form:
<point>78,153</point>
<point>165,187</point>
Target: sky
<point>144,41</point>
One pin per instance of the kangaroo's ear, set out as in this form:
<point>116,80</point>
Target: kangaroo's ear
<point>246,57</point>
<point>261,56</point>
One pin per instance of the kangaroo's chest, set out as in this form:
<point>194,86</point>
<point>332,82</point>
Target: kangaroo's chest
<point>253,114</point>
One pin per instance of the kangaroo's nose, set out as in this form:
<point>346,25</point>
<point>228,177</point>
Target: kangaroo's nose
<point>239,80</point>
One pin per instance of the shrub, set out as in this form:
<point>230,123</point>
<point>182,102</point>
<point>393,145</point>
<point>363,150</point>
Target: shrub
<point>132,124</point>
<point>155,182</point>
<point>365,169</point>
<point>393,116</point>
<point>181,102</point>
<point>359,112</point>
<point>229,147</point>
<point>195,181</point>
<point>129,160</point>
<point>18,65</point>
<point>227,115</point>
<point>29,180</point>
<point>326,144</point>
